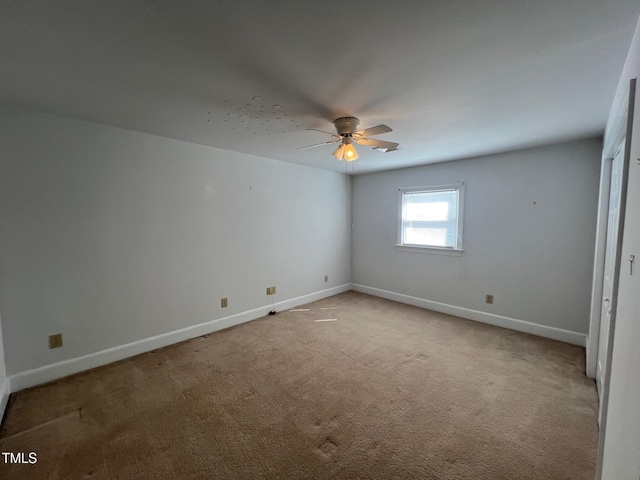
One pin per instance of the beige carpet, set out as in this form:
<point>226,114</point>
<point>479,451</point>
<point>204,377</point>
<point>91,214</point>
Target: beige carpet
<point>387,391</point>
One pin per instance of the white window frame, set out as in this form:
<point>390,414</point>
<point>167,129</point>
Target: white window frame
<point>458,249</point>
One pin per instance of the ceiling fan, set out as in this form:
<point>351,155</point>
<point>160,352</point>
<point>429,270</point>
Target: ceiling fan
<point>347,133</point>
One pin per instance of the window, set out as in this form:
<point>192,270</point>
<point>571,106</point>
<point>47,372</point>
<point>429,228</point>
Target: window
<point>431,218</point>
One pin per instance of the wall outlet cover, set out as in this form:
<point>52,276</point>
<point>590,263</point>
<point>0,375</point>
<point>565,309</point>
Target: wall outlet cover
<point>55,341</point>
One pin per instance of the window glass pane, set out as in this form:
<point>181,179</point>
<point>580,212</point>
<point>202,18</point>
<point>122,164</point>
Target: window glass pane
<point>430,218</point>
<point>427,211</point>
<point>436,237</point>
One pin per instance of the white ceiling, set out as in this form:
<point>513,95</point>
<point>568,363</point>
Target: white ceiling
<point>453,79</point>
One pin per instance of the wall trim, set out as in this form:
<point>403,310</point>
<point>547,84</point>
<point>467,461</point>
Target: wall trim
<point>553,333</point>
<point>47,373</point>
<point>5,391</point>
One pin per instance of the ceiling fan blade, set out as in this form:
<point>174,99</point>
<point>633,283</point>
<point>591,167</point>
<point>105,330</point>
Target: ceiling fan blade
<point>381,144</point>
<point>319,144</point>
<point>377,130</point>
<point>324,131</point>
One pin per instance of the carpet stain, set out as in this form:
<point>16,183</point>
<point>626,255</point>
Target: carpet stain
<point>374,447</point>
<point>328,447</point>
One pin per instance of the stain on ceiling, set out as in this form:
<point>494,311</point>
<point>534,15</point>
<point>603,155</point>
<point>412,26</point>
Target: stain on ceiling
<point>452,79</point>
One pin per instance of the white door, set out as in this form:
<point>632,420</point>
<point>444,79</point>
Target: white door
<point>609,269</point>
<point>619,448</point>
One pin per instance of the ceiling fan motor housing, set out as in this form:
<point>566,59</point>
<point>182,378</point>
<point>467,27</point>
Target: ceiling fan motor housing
<point>346,125</point>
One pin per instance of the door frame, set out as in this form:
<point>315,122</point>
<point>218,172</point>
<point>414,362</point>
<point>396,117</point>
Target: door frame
<point>627,124</point>
<point>608,153</point>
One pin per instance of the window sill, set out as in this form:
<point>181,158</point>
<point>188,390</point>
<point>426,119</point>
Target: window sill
<point>432,250</point>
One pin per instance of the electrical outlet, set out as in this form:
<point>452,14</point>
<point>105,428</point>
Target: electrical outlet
<point>273,290</point>
<point>55,341</point>
<point>223,303</point>
<point>326,278</point>
<point>268,290</point>
<point>489,299</point>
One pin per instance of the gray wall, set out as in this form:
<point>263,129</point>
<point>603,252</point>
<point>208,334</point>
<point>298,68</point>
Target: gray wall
<point>110,236</point>
<point>529,232</point>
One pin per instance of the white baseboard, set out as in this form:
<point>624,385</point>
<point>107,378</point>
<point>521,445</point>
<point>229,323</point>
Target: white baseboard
<point>559,334</point>
<point>47,373</point>
<point>4,396</point>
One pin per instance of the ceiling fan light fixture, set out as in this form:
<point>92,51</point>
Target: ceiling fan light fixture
<point>347,133</point>
<point>339,152</point>
<point>350,153</point>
